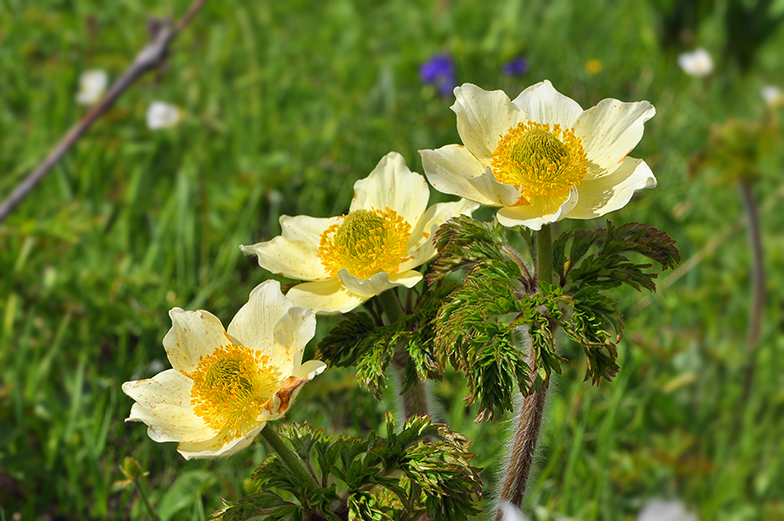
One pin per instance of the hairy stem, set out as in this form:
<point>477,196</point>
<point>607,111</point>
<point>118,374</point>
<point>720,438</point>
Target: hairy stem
<point>414,401</point>
<point>521,456</point>
<point>289,457</point>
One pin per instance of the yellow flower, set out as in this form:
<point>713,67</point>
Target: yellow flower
<point>349,259</point>
<point>541,157</point>
<point>593,66</point>
<point>225,385</point>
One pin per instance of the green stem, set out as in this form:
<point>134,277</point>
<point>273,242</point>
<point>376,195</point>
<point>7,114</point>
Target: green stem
<point>289,457</point>
<point>414,401</point>
<point>544,254</point>
<point>531,412</point>
<point>391,305</point>
<point>137,481</point>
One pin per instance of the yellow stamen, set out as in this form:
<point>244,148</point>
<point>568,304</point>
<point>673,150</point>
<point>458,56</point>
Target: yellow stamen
<point>365,243</point>
<point>541,161</point>
<point>231,386</point>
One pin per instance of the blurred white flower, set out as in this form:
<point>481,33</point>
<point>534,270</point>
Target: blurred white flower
<point>772,95</point>
<point>92,85</point>
<point>696,63</point>
<point>163,115</point>
<point>660,510</point>
<point>512,513</point>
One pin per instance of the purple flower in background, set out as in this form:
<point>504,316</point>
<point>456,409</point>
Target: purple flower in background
<point>516,67</point>
<point>440,72</point>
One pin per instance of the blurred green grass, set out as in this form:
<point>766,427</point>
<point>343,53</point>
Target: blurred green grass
<point>287,104</point>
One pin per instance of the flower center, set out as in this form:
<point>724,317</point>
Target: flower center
<point>230,387</point>
<point>365,243</point>
<point>543,162</point>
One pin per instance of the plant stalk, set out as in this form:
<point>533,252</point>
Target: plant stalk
<point>143,494</point>
<point>757,280</point>
<point>531,412</point>
<point>289,457</point>
<point>414,401</point>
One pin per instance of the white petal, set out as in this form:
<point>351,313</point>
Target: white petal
<point>453,170</point>
<point>163,403</point>
<point>162,115</point>
<point>612,192</point>
<point>609,131</point>
<point>325,297</point>
<point>512,513</point>
<point>218,446</point>
<point>543,104</point>
<point>193,334</point>
<point>254,323</point>
<point>482,117</point>
<point>541,211</point>
<point>92,85</point>
<point>697,63</point>
<point>660,510</point>
<point>420,245</point>
<point>391,184</point>
<point>294,254</point>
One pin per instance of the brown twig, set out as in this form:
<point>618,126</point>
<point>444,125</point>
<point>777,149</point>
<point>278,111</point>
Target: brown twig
<point>757,282</point>
<point>152,55</point>
<point>704,252</point>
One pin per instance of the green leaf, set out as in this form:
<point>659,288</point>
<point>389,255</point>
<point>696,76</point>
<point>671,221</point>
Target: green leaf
<point>423,468</point>
<point>183,493</point>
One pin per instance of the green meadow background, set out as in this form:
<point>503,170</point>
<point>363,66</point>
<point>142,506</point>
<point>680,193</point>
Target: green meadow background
<point>286,105</point>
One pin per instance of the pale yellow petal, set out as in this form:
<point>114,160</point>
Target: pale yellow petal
<point>193,334</point>
<point>220,446</point>
<point>270,323</point>
<point>367,288</point>
<point>391,184</point>
<point>420,245</point>
<point>612,192</point>
<point>499,194</point>
<point>482,117</point>
<point>284,397</point>
<point>292,333</point>
<point>163,403</point>
<point>454,170</point>
<point>541,211</point>
<point>325,297</point>
<point>409,278</point>
<point>310,369</point>
<point>543,104</point>
<point>253,324</point>
<point>294,254</point>
<point>609,131</point>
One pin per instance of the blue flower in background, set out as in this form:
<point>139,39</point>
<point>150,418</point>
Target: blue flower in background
<point>516,67</point>
<point>440,72</point>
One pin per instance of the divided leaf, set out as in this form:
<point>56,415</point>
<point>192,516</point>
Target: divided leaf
<point>423,469</point>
